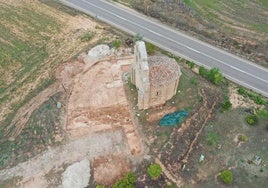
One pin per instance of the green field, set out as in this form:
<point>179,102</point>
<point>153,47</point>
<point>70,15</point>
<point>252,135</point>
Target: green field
<point>23,51</point>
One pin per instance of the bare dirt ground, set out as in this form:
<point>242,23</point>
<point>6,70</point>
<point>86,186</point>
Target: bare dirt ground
<point>98,122</point>
<point>88,147</point>
<point>104,166</point>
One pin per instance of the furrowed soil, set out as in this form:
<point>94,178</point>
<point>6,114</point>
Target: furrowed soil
<point>239,27</point>
<point>35,39</point>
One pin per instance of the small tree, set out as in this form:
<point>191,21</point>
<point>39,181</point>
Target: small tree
<point>154,170</point>
<point>226,176</point>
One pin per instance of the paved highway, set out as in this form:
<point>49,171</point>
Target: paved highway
<point>234,68</point>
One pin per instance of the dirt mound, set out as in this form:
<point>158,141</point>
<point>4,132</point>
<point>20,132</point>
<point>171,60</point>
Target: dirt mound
<point>110,167</point>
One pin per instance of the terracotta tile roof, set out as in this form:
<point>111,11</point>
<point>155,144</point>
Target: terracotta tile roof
<point>162,70</point>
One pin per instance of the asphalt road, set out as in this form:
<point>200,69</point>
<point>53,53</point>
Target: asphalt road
<point>234,68</point>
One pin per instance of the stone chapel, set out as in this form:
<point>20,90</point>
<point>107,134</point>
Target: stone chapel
<point>156,77</point>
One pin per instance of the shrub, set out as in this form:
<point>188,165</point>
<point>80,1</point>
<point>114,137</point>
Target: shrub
<point>154,170</point>
<point>242,138</point>
<point>87,36</point>
<point>215,76</point>
<point>226,105</point>
<point>100,186</point>
<point>226,176</point>
<point>252,119</point>
<point>203,72</point>
<point>194,81</point>
<point>126,182</point>
<point>258,100</point>
<point>241,91</point>
<point>212,138</point>
<point>190,64</point>
<point>116,44</point>
<point>150,48</point>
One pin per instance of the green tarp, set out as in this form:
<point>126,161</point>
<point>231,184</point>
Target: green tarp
<point>173,118</point>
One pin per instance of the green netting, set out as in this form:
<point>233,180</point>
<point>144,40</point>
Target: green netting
<point>173,118</point>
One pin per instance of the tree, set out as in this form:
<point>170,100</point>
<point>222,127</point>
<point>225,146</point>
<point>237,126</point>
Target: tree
<point>154,170</point>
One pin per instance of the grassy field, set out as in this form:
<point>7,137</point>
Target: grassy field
<point>24,35</point>
<point>239,26</point>
<point>34,39</point>
<point>44,128</point>
<point>36,36</point>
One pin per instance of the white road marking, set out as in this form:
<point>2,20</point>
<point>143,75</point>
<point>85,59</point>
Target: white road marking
<point>180,44</point>
<point>183,45</point>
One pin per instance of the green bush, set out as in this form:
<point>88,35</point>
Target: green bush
<point>203,72</point>
<point>226,176</point>
<point>256,98</point>
<point>215,76</point>
<point>242,138</point>
<point>194,81</point>
<point>126,182</point>
<point>260,113</point>
<point>190,64</point>
<point>154,170</point>
<point>241,91</point>
<point>212,138</point>
<point>116,44</point>
<point>87,36</point>
<point>100,186</point>
<point>226,105</point>
<point>252,119</point>
<point>150,48</point>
